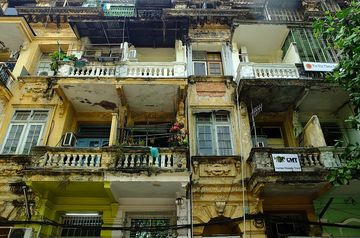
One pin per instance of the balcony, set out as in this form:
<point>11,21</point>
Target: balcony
<point>267,71</point>
<point>127,159</point>
<point>302,170</point>
<point>129,69</point>
<point>6,78</point>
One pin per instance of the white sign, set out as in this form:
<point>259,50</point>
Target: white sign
<point>319,67</point>
<point>286,162</point>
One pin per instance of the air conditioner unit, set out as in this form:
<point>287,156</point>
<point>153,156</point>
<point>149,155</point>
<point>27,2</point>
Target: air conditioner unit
<point>46,73</point>
<point>20,233</point>
<point>69,139</point>
<point>132,55</point>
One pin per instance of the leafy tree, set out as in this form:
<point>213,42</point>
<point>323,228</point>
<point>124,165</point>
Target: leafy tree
<point>342,30</point>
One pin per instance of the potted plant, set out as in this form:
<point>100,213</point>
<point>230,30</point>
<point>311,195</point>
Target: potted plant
<point>179,137</point>
<point>56,57</point>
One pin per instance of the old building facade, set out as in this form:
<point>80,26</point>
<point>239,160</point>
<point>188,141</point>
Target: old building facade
<point>124,118</point>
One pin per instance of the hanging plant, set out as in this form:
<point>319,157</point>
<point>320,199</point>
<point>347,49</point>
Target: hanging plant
<point>56,57</point>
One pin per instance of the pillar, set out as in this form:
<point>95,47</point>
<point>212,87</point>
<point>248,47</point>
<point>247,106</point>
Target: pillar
<point>113,130</point>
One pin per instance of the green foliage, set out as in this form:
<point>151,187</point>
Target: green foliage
<point>57,56</point>
<point>343,31</point>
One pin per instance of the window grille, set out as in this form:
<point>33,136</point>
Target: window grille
<point>150,222</point>
<point>86,221</point>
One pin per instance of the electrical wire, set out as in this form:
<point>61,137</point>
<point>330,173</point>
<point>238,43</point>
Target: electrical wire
<point>178,227</point>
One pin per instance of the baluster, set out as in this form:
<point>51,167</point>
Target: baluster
<point>166,72</point>
<point>80,160</point>
<point>161,161</point>
<point>301,158</point>
<point>86,160</point>
<point>73,162</point>
<point>55,160</point>
<point>92,160</point>
<point>126,161</point>
<point>62,160</point>
<point>131,161</point>
<point>49,160</point>
<point>67,160</point>
<point>98,161</point>
<point>42,163</point>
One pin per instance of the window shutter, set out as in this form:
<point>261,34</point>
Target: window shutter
<point>205,143</point>
<point>224,140</point>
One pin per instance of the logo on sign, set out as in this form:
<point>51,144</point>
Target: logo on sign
<point>286,162</point>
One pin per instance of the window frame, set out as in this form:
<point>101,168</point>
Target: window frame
<point>44,58</point>
<point>214,124</point>
<point>207,61</point>
<point>27,123</point>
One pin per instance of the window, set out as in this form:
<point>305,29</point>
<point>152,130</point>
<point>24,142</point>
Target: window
<point>269,136</point>
<point>93,136</point>
<point>81,220</point>
<point>207,63</point>
<point>213,134</point>
<point>44,68</point>
<point>332,133</point>
<point>25,131</point>
<point>145,222</point>
<point>286,225</point>
<point>310,48</point>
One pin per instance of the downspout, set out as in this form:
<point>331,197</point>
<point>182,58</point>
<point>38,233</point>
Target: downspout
<point>242,159</point>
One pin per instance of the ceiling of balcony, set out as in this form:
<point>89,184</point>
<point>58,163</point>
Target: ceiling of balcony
<point>91,96</point>
<point>154,189</point>
<point>14,36</point>
<point>151,97</point>
<point>304,189</point>
<point>261,39</point>
<point>327,99</point>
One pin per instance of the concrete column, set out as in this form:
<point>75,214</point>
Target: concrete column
<point>245,132</point>
<point>313,135</point>
<point>227,60</point>
<point>113,131</point>
<point>189,63</point>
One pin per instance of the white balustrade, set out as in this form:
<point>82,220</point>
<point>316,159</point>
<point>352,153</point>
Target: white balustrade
<point>93,71</point>
<point>126,69</point>
<point>145,160</point>
<point>71,160</point>
<point>267,71</point>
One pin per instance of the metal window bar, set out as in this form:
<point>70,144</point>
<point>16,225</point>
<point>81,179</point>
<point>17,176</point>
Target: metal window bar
<point>142,135</point>
<point>95,221</point>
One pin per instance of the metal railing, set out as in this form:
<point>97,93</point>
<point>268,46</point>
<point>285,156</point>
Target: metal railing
<point>6,77</point>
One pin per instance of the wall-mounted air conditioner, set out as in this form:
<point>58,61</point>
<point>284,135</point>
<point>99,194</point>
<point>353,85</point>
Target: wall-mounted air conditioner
<point>18,232</point>
<point>69,139</point>
<point>46,73</point>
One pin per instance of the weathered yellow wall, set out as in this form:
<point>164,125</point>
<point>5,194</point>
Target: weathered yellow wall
<point>156,54</point>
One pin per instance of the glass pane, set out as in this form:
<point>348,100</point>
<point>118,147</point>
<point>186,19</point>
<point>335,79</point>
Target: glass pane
<point>199,68</point>
<point>39,116</point>
<point>224,140</point>
<point>12,141</point>
<point>205,145</point>
<point>222,117</point>
<point>214,69</point>
<point>32,137</point>
<point>21,115</point>
<point>203,117</point>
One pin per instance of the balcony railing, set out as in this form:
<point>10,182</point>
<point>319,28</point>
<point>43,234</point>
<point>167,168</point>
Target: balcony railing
<point>107,158</point>
<point>267,71</point>
<point>6,78</point>
<point>130,69</point>
<point>140,158</point>
<point>311,159</point>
